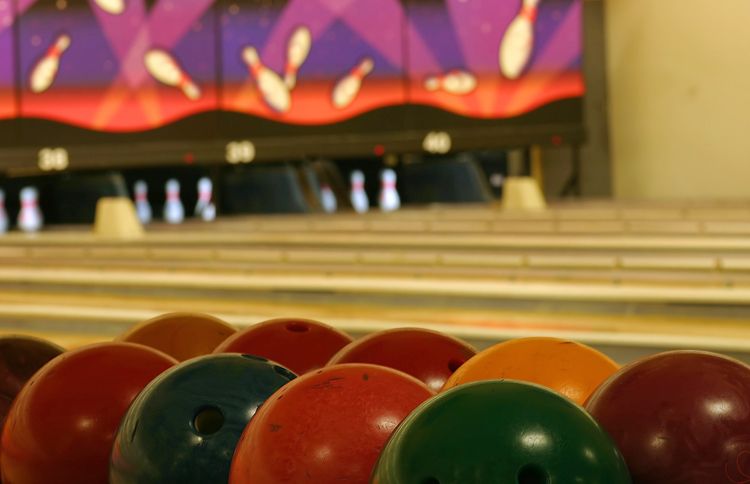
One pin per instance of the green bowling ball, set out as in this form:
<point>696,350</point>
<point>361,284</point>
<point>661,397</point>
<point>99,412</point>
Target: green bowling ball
<point>500,432</point>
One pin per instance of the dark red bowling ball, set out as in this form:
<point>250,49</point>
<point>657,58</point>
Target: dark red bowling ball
<point>61,426</point>
<point>679,417</point>
<point>427,355</point>
<point>20,358</point>
<point>302,345</point>
<point>326,427</point>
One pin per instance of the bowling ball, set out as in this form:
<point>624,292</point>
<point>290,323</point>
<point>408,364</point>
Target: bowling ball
<point>185,424</point>
<point>572,369</point>
<point>326,427</point>
<point>436,358</point>
<point>500,431</point>
<point>680,416</point>
<point>61,426</point>
<point>302,345</point>
<point>20,358</point>
<point>180,335</point>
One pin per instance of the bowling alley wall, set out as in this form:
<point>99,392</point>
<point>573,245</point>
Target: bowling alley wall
<point>196,77</point>
<point>679,100</point>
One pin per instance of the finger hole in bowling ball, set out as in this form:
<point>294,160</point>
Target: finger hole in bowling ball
<point>532,474</point>
<point>455,364</point>
<point>430,480</point>
<point>284,372</point>
<point>208,420</point>
<point>297,327</point>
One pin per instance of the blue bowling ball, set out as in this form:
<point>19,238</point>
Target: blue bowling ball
<point>185,425</point>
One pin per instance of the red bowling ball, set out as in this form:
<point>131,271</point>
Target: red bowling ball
<point>61,426</point>
<point>302,345</point>
<point>326,427</point>
<point>427,355</point>
<point>679,417</point>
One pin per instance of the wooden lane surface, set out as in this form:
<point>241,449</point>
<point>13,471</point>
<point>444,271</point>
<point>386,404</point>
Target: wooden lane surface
<point>180,237</point>
<point>235,284</point>
<point>679,272</point>
<point>76,319</point>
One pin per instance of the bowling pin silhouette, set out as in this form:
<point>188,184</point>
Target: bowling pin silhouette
<point>389,198</point>
<point>30,217</point>
<point>142,207</point>
<point>3,214</point>
<point>174,212</point>
<point>358,197</point>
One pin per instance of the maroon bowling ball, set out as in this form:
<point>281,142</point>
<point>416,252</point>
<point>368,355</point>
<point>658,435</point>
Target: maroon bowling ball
<point>679,417</point>
<point>427,355</point>
<point>20,358</point>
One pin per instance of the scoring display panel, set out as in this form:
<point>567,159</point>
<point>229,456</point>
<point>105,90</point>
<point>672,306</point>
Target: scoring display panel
<point>161,79</point>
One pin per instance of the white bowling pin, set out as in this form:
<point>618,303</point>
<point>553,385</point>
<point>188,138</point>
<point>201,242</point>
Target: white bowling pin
<point>30,217</point>
<point>389,199</point>
<point>327,199</point>
<point>142,207</point>
<point>272,87</point>
<point>204,208</point>
<point>3,214</point>
<point>298,49</point>
<point>165,69</point>
<point>358,197</point>
<point>174,212</point>
<point>348,87</point>
<point>518,41</point>
<point>45,71</point>
<point>113,7</point>
<point>456,82</point>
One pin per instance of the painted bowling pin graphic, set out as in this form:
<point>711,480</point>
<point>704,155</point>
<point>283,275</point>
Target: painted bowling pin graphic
<point>30,217</point>
<point>45,71</point>
<point>298,49</point>
<point>327,199</point>
<point>348,87</point>
<point>174,212</point>
<point>358,197</point>
<point>205,209</point>
<point>3,214</point>
<point>518,41</point>
<point>389,199</point>
<point>113,7</point>
<point>272,87</point>
<point>142,207</point>
<point>164,68</point>
<point>457,82</point>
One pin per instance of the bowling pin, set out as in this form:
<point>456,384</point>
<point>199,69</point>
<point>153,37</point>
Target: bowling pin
<point>113,7</point>
<point>298,49</point>
<point>518,41</point>
<point>165,69</point>
<point>30,217</point>
<point>456,82</point>
<point>3,214</point>
<point>204,208</point>
<point>142,207</point>
<point>358,197</point>
<point>45,71</point>
<point>272,87</point>
<point>174,212</point>
<point>389,199</point>
<point>327,199</point>
<point>347,88</point>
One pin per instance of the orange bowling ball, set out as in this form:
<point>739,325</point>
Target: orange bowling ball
<point>180,335</point>
<point>571,369</point>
